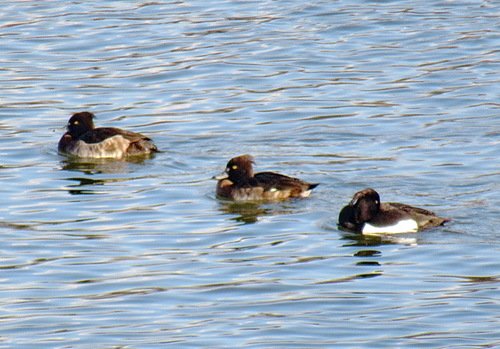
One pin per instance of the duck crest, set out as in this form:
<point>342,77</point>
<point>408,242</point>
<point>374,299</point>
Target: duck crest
<point>366,205</point>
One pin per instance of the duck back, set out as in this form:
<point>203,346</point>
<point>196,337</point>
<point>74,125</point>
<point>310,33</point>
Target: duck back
<point>424,218</point>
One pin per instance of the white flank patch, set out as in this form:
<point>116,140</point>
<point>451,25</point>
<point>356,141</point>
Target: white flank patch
<point>305,194</point>
<point>401,227</point>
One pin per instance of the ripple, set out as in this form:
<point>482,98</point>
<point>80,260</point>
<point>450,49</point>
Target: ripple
<point>398,96</point>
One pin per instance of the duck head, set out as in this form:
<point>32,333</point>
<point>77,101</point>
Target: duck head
<point>365,205</point>
<point>238,170</point>
<point>80,123</point>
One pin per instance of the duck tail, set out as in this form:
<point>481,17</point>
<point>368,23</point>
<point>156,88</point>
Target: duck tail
<point>312,186</point>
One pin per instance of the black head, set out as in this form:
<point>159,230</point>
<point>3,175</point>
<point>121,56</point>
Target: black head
<point>365,205</point>
<point>80,123</point>
<point>240,169</point>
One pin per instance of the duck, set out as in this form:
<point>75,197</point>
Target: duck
<point>84,140</point>
<point>239,183</point>
<point>367,215</point>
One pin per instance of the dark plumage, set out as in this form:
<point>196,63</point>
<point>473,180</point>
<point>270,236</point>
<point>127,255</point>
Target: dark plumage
<point>84,140</point>
<point>239,183</point>
<point>366,214</point>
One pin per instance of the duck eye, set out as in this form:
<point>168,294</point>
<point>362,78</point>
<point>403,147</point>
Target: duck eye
<point>234,167</point>
<point>76,122</point>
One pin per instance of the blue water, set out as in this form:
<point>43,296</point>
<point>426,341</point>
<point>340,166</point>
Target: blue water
<point>396,95</point>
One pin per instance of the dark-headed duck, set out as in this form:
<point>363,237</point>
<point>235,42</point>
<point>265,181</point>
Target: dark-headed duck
<point>84,140</point>
<point>366,214</point>
<point>240,183</point>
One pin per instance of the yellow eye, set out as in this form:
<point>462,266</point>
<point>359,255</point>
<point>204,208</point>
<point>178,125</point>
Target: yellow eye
<point>76,122</point>
<point>234,167</point>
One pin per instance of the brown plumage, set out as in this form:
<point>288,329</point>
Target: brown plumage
<point>84,140</point>
<point>240,183</point>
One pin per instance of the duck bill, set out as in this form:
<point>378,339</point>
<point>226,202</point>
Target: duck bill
<point>220,176</point>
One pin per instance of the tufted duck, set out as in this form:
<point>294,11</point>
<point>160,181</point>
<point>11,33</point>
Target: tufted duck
<point>84,140</point>
<point>366,214</point>
<point>239,183</point>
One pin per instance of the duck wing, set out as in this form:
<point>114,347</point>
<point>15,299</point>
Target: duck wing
<point>407,208</point>
<point>137,143</point>
<point>423,217</point>
<point>276,181</point>
<point>101,133</point>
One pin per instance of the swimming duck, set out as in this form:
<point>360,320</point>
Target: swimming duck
<point>239,183</point>
<point>366,214</point>
<point>83,139</point>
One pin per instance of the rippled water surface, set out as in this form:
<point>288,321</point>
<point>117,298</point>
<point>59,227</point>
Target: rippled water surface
<point>402,96</point>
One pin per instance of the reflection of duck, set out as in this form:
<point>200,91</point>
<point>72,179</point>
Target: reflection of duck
<point>247,212</point>
<point>78,189</point>
<point>239,183</point>
<point>84,140</point>
<point>366,214</point>
<point>95,166</point>
<point>92,168</point>
<point>374,240</point>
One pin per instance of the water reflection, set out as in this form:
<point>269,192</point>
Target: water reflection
<point>250,212</point>
<point>93,166</point>
<point>77,189</point>
<point>247,212</point>
<point>351,278</point>
<point>475,279</point>
<point>377,240</point>
<point>356,100</point>
<point>368,254</point>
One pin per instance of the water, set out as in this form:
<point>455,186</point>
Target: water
<point>395,95</point>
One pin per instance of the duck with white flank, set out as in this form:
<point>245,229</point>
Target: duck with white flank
<point>367,215</point>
